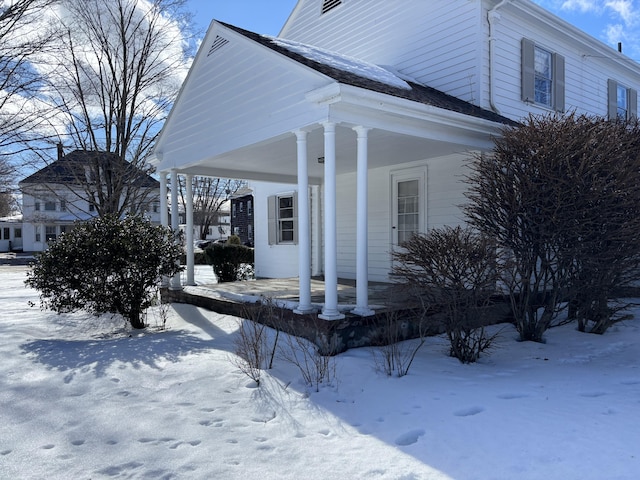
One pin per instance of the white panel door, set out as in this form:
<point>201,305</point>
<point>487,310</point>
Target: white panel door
<point>409,202</point>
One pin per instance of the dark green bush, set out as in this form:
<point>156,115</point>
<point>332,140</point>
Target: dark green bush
<point>106,265</point>
<point>234,240</point>
<point>229,261</point>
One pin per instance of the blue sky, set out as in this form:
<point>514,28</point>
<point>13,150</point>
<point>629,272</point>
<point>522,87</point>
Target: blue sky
<point>610,21</point>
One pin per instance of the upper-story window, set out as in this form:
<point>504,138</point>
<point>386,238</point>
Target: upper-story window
<point>50,206</point>
<point>63,205</point>
<point>542,76</point>
<point>36,206</point>
<point>622,101</point>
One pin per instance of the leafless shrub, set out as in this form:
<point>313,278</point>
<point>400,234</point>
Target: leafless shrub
<point>255,348</point>
<point>453,273</point>
<point>315,360</point>
<point>560,194</point>
<point>250,347</point>
<point>397,353</point>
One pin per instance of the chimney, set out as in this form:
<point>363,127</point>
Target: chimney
<point>60,151</point>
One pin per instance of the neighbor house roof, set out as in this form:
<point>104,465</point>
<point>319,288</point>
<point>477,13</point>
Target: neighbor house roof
<point>70,169</point>
<point>351,76</point>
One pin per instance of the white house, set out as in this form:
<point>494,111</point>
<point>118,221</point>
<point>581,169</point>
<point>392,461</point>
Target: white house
<point>10,233</point>
<point>368,110</point>
<point>58,195</point>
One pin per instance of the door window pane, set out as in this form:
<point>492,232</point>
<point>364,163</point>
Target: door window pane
<point>408,209</point>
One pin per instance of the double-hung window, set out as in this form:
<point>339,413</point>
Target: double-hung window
<point>542,76</point>
<point>622,101</point>
<point>283,219</point>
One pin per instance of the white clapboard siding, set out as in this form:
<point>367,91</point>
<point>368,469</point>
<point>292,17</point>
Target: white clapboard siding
<point>587,67</point>
<point>445,193</point>
<point>273,261</point>
<point>432,41</point>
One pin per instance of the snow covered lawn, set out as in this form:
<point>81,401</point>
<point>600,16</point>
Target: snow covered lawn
<point>82,397</point>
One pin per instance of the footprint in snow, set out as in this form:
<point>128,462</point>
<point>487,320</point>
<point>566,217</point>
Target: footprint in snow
<point>7,452</point>
<point>512,396</point>
<point>48,446</point>
<point>409,438</point>
<point>592,394</point>
<point>630,382</point>
<point>468,412</point>
<point>77,443</point>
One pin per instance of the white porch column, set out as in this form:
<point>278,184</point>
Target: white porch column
<point>164,211</point>
<point>304,240</point>
<point>189,236</point>
<point>362,225</point>
<point>330,310</point>
<point>175,222</point>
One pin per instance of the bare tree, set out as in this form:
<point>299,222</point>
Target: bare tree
<point>121,65</point>
<point>209,197</point>
<point>24,38</point>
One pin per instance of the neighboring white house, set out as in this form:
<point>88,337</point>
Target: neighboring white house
<point>58,195</point>
<point>369,109</point>
<point>10,233</point>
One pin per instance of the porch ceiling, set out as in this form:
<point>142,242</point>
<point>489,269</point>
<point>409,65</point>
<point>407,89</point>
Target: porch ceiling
<point>276,159</point>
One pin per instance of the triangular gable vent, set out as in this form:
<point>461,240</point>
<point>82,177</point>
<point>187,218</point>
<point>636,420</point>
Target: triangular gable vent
<point>217,44</point>
<point>330,5</point>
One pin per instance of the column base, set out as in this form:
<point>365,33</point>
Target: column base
<point>363,311</point>
<point>335,315</point>
<point>302,310</point>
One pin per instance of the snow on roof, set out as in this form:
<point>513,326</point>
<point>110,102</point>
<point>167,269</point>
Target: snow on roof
<point>343,62</point>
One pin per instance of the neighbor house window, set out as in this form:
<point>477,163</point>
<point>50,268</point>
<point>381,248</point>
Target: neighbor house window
<point>249,207</point>
<point>50,206</point>
<point>542,76</point>
<point>622,101</point>
<point>38,234</point>
<point>283,219</point>
<point>50,232</point>
<point>6,233</point>
<point>63,205</point>
<point>92,207</point>
<point>17,233</point>
<point>36,206</point>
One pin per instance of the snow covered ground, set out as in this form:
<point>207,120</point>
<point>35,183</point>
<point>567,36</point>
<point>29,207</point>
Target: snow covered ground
<point>83,397</point>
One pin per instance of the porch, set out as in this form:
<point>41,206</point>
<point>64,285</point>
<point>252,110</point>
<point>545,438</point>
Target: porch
<point>272,302</point>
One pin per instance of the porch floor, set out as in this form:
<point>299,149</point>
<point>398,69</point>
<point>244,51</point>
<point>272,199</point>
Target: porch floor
<point>382,296</point>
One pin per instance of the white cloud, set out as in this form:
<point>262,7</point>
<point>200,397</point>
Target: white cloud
<point>583,6</point>
<point>625,9</point>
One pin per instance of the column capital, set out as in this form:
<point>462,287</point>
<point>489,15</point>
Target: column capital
<point>328,126</point>
<point>361,130</point>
